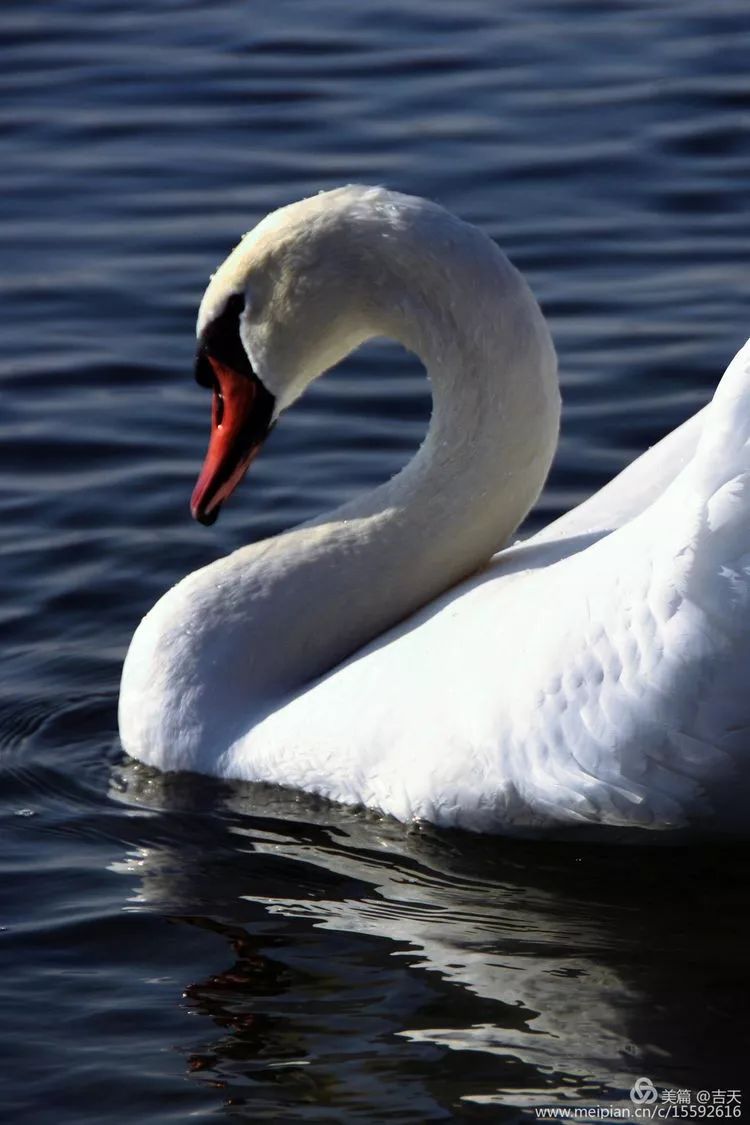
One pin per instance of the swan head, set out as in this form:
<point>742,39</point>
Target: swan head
<point>317,278</point>
<point>287,304</point>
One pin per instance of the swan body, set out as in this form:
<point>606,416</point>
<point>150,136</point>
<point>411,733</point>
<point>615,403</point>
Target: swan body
<point>397,653</point>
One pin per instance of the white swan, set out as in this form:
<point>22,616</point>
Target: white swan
<point>594,674</point>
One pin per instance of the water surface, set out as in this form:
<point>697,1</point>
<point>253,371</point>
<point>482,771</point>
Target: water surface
<point>177,948</point>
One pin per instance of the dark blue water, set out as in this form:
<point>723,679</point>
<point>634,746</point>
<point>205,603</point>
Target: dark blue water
<point>178,949</point>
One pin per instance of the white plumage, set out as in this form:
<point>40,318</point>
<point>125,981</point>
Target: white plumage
<point>594,674</point>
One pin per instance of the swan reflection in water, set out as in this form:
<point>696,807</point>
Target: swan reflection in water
<point>420,971</point>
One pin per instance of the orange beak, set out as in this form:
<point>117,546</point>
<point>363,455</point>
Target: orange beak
<point>241,418</point>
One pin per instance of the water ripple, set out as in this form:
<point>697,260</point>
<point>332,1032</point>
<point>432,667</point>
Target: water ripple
<point>291,959</point>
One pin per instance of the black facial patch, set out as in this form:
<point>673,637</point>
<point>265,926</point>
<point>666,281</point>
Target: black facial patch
<point>221,339</point>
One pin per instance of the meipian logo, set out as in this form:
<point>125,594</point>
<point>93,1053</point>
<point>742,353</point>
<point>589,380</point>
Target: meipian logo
<point>643,1092</point>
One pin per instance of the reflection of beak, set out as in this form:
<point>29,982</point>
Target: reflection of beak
<point>240,421</point>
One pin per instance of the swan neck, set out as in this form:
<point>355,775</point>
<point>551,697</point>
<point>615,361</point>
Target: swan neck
<point>254,629</point>
<point>301,603</point>
<point>475,325</point>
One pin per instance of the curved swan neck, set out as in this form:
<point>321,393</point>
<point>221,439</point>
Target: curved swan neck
<point>250,629</point>
<point>448,294</point>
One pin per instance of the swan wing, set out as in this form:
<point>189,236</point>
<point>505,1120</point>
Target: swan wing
<point>633,489</point>
<point>607,686</point>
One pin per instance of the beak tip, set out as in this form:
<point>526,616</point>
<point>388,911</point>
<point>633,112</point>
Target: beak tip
<point>206,519</point>
<point>201,515</point>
